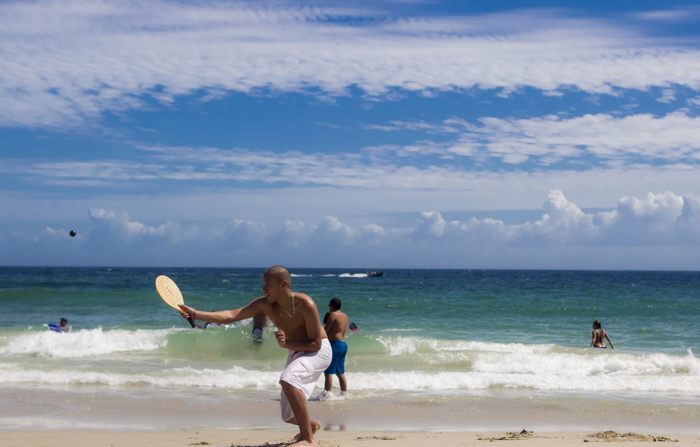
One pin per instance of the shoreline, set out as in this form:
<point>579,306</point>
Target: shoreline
<point>140,409</point>
<point>325,438</point>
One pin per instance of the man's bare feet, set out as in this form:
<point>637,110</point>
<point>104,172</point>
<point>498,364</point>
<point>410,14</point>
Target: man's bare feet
<point>302,443</point>
<point>315,426</point>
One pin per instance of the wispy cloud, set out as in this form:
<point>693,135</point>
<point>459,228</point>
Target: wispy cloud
<point>682,14</point>
<point>587,140</point>
<point>667,96</point>
<point>534,154</point>
<point>396,126</point>
<point>64,63</point>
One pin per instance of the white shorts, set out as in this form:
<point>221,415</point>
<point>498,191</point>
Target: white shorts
<point>302,371</point>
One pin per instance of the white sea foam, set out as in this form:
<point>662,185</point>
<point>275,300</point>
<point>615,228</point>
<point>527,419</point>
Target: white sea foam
<point>539,367</point>
<point>576,372</point>
<point>419,364</point>
<point>409,345</point>
<point>232,378</point>
<point>328,396</point>
<point>470,381</point>
<point>85,343</point>
<point>352,275</point>
<point>563,373</point>
<point>399,329</point>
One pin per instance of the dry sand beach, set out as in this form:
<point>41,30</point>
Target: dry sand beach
<point>279,438</point>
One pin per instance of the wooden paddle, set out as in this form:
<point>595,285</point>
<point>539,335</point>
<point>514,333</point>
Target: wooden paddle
<point>170,293</point>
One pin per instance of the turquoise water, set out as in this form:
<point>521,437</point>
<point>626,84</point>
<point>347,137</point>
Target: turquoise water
<point>449,332</point>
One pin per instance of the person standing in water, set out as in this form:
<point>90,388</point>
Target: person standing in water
<point>336,325</point>
<point>299,331</point>
<point>259,323</point>
<point>599,335</point>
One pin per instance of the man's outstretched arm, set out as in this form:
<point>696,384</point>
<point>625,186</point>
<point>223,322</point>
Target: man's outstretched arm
<point>224,316</point>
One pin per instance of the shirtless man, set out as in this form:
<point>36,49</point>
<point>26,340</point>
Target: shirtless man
<point>298,330</point>
<point>598,336</point>
<point>336,324</point>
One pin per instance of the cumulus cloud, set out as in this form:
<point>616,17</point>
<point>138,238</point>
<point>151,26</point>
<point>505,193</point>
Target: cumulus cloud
<point>431,226</point>
<point>244,232</point>
<point>119,227</point>
<point>332,230</point>
<point>656,219</point>
<point>68,62</point>
<point>637,232</point>
<point>562,222</point>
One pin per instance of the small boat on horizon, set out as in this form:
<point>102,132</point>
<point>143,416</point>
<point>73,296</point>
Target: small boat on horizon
<point>375,274</point>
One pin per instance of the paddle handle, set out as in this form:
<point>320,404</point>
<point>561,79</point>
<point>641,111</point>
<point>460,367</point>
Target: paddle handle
<point>191,321</point>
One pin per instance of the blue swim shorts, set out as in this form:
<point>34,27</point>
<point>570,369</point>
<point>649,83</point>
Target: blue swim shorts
<point>337,366</point>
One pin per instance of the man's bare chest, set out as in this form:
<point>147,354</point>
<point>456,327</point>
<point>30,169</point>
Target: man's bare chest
<point>287,322</point>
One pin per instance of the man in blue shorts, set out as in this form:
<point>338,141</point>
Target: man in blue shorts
<point>336,324</point>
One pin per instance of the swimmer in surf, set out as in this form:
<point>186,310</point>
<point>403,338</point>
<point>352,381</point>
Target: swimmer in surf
<point>599,335</point>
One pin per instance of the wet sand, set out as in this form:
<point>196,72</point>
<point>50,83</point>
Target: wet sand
<point>278,438</point>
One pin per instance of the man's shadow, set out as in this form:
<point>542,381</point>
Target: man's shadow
<point>266,444</point>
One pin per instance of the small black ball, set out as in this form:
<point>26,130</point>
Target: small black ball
<point>72,233</point>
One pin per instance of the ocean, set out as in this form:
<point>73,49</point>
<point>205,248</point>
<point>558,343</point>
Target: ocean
<point>448,339</point>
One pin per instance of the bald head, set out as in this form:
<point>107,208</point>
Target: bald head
<point>279,273</point>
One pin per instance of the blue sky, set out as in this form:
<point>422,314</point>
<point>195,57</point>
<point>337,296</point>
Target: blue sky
<point>414,134</point>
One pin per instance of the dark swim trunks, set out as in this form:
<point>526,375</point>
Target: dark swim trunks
<point>337,366</point>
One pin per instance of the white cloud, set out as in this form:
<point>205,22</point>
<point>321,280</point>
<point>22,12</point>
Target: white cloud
<point>345,196</point>
<point>111,224</point>
<point>653,219</point>
<point>395,126</point>
<point>590,138</point>
<point>292,234</point>
<point>332,231</point>
<point>656,219</point>
<point>432,226</point>
<point>650,220</point>
<point>587,142</point>
<point>244,232</point>
<point>65,63</point>
<point>667,96</point>
<point>562,222</point>
<point>648,229</point>
<point>670,15</point>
